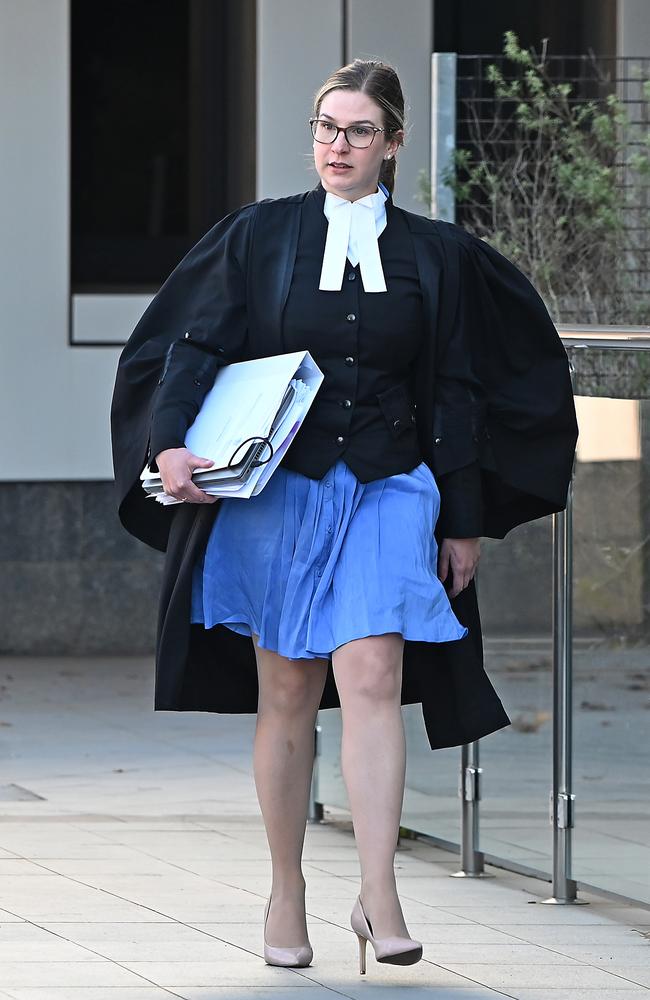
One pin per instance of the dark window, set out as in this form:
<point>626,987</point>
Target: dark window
<point>162,132</point>
<point>473,26</point>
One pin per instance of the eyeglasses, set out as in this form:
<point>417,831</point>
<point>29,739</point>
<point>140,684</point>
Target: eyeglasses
<point>360,136</point>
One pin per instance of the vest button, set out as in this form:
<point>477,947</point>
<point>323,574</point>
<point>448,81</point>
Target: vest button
<point>352,275</point>
<point>350,317</point>
<point>340,439</point>
<point>397,423</point>
<point>349,360</point>
<point>347,403</point>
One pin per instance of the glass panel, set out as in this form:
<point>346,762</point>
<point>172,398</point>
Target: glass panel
<point>611,668</point>
<point>515,598</point>
<point>431,803</point>
<point>330,789</point>
<point>611,532</point>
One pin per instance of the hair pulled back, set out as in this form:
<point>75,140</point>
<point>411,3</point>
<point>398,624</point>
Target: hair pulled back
<point>379,81</point>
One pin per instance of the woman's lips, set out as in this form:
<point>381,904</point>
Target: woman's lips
<point>340,166</point>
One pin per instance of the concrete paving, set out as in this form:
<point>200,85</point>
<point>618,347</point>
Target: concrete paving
<point>134,866</point>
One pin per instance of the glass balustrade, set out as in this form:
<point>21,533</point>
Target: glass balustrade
<point>608,669</point>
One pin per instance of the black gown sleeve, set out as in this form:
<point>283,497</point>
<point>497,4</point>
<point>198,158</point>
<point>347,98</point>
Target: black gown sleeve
<point>196,323</point>
<point>461,502</point>
<point>504,422</point>
<point>458,422</point>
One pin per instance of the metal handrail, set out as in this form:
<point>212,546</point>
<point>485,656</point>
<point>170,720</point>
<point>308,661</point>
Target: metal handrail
<point>628,337</point>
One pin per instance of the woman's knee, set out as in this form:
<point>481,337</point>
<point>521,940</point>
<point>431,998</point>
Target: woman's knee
<point>369,668</point>
<point>289,685</point>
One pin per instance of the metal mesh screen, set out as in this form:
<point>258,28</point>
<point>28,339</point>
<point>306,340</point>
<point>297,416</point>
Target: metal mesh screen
<point>591,78</point>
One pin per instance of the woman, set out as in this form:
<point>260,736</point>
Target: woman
<point>330,587</point>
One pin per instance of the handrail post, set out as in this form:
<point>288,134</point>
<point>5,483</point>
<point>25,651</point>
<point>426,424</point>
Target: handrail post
<point>472,860</point>
<point>562,799</point>
<point>469,792</point>
<point>315,810</point>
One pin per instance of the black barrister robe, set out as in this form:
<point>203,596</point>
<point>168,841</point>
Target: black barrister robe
<point>492,392</point>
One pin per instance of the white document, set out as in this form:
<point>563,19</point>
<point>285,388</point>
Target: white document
<point>244,403</point>
<point>281,440</point>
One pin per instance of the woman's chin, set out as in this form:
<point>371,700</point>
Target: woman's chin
<point>336,176</point>
<point>335,181</point>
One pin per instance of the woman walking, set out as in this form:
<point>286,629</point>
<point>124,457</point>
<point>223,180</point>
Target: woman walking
<point>349,580</point>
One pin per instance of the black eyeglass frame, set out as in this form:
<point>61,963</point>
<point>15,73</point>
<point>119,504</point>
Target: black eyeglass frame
<point>345,132</point>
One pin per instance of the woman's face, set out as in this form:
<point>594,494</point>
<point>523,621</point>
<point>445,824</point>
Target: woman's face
<point>361,171</point>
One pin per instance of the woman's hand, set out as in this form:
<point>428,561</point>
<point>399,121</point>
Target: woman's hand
<point>176,466</point>
<point>462,554</point>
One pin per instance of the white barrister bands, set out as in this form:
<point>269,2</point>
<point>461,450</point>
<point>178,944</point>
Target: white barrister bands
<point>353,229</point>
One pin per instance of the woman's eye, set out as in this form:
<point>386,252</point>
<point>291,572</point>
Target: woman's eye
<point>361,131</point>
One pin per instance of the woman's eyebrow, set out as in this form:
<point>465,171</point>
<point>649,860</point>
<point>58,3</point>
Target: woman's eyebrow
<point>359,121</point>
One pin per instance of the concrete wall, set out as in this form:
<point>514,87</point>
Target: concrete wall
<point>72,581</point>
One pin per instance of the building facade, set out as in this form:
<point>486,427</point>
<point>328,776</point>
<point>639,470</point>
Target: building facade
<point>127,130</point>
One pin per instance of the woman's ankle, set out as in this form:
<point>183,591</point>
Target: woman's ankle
<point>378,886</point>
<point>288,884</point>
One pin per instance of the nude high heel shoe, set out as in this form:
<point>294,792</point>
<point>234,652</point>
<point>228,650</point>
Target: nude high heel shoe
<point>300,956</point>
<point>390,950</point>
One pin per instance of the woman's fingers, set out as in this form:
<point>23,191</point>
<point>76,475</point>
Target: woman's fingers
<point>462,574</point>
<point>194,493</point>
<point>443,561</point>
<point>456,587</point>
<point>462,556</point>
<point>191,493</point>
<point>195,462</point>
<point>176,466</point>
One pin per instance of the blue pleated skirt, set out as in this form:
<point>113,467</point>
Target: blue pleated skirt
<point>308,564</point>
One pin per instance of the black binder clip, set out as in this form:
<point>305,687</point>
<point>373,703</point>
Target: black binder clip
<point>256,461</point>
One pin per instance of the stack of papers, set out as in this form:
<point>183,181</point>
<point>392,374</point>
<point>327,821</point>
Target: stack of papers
<point>250,404</point>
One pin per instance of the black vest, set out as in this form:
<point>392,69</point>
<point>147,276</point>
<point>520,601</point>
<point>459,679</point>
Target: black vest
<point>366,344</point>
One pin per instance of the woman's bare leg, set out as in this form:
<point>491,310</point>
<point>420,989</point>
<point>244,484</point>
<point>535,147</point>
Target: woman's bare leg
<point>283,754</point>
<point>368,675</point>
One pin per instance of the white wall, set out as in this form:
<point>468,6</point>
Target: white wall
<point>54,399</point>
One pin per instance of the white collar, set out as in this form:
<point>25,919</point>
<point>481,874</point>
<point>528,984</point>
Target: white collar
<point>352,231</point>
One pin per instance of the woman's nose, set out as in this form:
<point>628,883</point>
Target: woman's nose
<point>340,143</point>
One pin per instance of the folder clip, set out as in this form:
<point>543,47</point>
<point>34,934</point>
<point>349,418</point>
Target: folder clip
<point>256,437</point>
